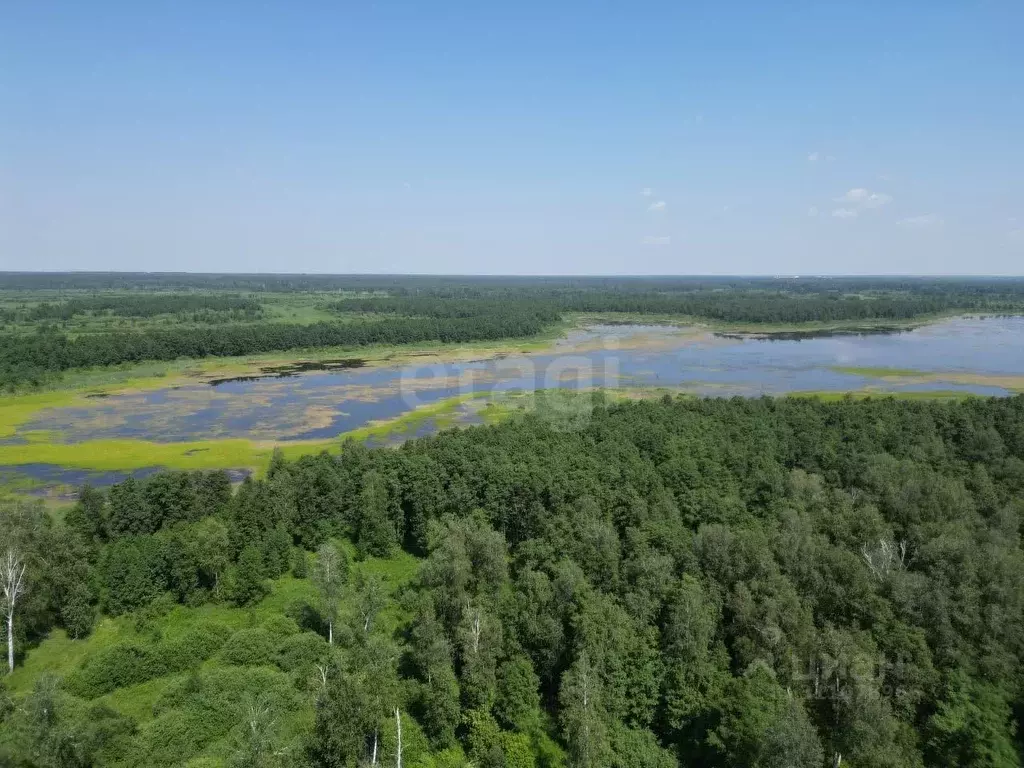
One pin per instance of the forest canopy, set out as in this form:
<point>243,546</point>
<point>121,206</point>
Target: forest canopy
<point>771,582</point>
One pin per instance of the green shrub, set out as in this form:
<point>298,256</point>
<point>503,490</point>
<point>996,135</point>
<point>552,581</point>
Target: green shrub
<point>302,652</point>
<point>306,616</point>
<point>250,648</point>
<point>281,626</point>
<point>196,645</point>
<point>300,563</point>
<point>203,708</point>
<point>132,663</point>
<point>116,667</point>
<point>105,734</point>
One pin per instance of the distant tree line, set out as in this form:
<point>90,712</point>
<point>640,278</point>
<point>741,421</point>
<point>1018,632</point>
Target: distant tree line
<point>725,306</point>
<point>727,583</point>
<point>468,286</point>
<point>403,310</point>
<point>138,305</point>
<point>31,359</point>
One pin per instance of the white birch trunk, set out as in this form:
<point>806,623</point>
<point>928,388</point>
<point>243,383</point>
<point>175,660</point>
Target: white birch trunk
<point>398,727</point>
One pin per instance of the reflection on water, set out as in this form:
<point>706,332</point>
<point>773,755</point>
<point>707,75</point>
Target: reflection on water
<point>324,404</point>
<point>63,482</point>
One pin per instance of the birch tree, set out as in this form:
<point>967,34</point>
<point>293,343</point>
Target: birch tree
<point>12,587</point>
<point>370,599</point>
<point>330,576</point>
<point>583,716</point>
<point>398,729</point>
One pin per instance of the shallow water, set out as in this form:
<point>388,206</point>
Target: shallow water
<point>325,404</point>
<point>57,481</point>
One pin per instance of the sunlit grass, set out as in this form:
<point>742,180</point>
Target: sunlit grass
<point>60,655</point>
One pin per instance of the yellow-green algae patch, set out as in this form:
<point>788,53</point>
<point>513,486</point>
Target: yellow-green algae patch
<point>1009,382</point>
<point>77,387</point>
<point>861,394</point>
<point>128,454</point>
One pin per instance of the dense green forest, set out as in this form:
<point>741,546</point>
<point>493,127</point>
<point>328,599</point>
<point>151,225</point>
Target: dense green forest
<point>475,285</point>
<point>783,583</point>
<point>204,321</point>
<point>731,306</point>
<point>137,305</point>
<point>34,359</point>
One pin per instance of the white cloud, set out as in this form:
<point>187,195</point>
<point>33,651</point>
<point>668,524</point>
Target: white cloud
<point>864,198</point>
<point>814,157</point>
<point>407,185</point>
<point>922,221</point>
<point>647,192</point>
<point>656,240</point>
<point>856,195</point>
<point>812,211</point>
<point>844,213</point>
<point>658,206</point>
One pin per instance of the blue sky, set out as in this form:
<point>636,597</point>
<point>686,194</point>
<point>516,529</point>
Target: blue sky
<point>513,138</point>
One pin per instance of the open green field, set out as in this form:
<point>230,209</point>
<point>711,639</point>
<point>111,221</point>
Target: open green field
<point>266,651</point>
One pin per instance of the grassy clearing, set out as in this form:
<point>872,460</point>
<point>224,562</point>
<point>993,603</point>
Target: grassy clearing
<point>147,702</point>
<point>59,654</point>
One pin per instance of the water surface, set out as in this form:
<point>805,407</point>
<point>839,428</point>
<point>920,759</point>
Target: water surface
<point>326,403</point>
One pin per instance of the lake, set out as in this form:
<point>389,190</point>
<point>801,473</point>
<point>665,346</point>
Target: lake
<point>980,356</point>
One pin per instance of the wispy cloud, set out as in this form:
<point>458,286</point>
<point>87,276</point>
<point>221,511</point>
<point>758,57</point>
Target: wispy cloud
<point>814,157</point>
<point>656,240</point>
<point>864,198</point>
<point>657,207</point>
<point>922,221</point>
<point>855,195</point>
<point>647,192</point>
<point>812,211</point>
<point>844,213</point>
